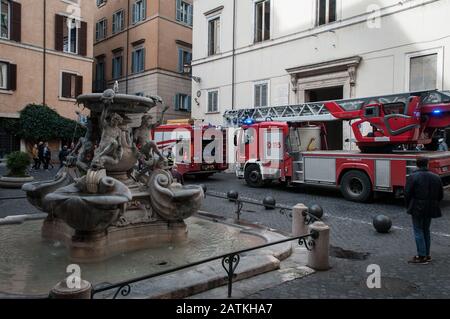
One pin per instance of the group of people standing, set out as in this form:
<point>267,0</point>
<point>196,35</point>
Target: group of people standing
<point>42,155</point>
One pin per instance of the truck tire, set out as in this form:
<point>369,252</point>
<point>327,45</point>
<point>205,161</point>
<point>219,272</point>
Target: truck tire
<point>356,186</point>
<point>253,176</point>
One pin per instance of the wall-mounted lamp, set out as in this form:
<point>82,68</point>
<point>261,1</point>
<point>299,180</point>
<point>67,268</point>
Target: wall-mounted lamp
<point>187,70</point>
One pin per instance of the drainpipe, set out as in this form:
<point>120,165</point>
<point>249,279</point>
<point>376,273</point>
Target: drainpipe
<point>233,58</point>
<point>44,57</point>
<point>128,46</point>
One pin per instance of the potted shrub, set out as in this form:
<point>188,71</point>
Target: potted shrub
<point>17,163</point>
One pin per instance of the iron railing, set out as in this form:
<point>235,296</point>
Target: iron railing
<point>230,261</point>
<point>283,209</point>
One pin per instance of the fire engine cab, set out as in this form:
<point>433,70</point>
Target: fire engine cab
<point>180,136</point>
<point>289,144</point>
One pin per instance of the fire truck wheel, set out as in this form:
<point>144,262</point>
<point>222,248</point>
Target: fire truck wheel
<point>253,176</point>
<point>356,186</point>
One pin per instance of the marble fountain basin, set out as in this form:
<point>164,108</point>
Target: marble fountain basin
<point>30,266</point>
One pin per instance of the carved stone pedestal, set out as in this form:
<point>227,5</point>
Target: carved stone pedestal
<point>89,248</point>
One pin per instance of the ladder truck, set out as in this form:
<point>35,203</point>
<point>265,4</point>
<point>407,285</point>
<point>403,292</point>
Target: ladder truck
<point>289,143</point>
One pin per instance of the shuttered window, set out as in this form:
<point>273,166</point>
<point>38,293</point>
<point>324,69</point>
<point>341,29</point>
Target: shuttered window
<point>326,11</point>
<point>138,60</point>
<point>8,76</point>
<point>213,101</point>
<point>184,57</point>
<point>184,12</point>
<point>139,11</point>
<point>118,21</point>
<point>71,85</point>
<point>213,36</point>
<point>100,30</point>
<point>70,35</point>
<point>10,20</point>
<point>117,63</point>
<point>182,102</point>
<point>262,20</point>
<point>261,95</point>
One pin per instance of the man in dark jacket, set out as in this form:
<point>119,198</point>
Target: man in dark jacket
<point>423,193</point>
<point>41,147</point>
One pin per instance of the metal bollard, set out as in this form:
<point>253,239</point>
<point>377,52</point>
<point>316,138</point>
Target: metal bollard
<point>62,291</point>
<point>299,227</point>
<point>318,257</point>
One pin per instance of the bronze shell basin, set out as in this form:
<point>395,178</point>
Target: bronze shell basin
<point>86,212</point>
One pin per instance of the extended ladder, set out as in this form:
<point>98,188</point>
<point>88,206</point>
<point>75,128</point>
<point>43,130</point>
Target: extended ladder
<point>316,111</point>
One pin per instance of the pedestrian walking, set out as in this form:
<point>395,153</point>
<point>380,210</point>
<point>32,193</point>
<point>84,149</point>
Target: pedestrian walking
<point>35,155</point>
<point>41,147</point>
<point>423,193</point>
<point>47,156</point>
<point>63,155</point>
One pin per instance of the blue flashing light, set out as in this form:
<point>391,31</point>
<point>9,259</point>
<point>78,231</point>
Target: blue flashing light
<point>437,112</point>
<point>249,121</point>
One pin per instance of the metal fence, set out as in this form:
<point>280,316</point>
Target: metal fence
<point>230,262</point>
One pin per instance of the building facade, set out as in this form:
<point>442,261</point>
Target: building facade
<point>256,53</point>
<point>46,57</point>
<point>144,45</point>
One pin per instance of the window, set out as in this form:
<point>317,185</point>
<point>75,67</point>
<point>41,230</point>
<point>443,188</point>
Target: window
<point>118,21</point>
<point>213,36</point>
<point>213,101</point>
<point>137,60</point>
<point>70,36</point>
<point>184,12</point>
<point>262,20</point>
<point>4,16</point>
<point>100,2</point>
<point>184,57</point>
<point>3,75</point>
<point>182,102</point>
<point>100,30</point>
<point>8,75</point>
<point>117,62</point>
<point>71,85</point>
<point>261,92</point>
<point>100,70</point>
<point>423,72</point>
<point>138,11</point>
<point>326,11</point>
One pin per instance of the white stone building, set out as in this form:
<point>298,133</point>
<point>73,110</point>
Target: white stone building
<point>249,53</point>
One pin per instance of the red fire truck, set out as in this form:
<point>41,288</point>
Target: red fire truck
<point>180,136</point>
<point>289,144</point>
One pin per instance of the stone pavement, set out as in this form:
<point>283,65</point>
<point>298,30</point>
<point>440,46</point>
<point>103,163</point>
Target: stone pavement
<point>356,244</point>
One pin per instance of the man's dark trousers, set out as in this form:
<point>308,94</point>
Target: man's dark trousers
<point>422,234</point>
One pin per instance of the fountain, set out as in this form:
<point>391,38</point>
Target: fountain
<point>100,204</point>
<point>118,221</point>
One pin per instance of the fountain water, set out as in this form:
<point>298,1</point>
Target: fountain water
<point>100,204</point>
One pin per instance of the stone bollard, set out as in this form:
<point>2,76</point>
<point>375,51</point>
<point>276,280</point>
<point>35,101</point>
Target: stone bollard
<point>299,228</point>
<point>318,257</point>
<point>62,291</point>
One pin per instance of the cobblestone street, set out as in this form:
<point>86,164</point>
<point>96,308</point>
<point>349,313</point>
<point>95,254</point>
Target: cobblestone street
<point>355,244</point>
